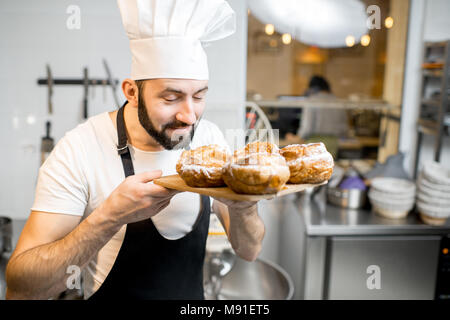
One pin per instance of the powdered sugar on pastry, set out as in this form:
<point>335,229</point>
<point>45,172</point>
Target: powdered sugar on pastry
<point>317,157</point>
<point>308,163</point>
<point>256,169</point>
<point>202,167</point>
<point>207,171</point>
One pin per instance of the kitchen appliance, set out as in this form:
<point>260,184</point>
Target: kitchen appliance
<point>443,276</point>
<point>342,254</point>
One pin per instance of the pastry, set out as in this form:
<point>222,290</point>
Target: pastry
<point>256,173</point>
<point>308,163</point>
<point>256,147</point>
<point>202,167</point>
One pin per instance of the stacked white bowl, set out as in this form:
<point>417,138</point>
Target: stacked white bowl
<point>433,193</point>
<point>392,197</point>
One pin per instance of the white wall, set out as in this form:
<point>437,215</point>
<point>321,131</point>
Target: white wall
<point>428,22</point>
<point>33,33</point>
<point>227,61</point>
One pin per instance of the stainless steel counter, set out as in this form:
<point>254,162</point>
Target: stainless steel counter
<point>328,251</point>
<point>323,219</point>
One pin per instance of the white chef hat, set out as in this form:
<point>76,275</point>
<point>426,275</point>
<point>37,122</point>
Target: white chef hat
<point>167,36</point>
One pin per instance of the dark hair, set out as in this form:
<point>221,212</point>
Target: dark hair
<point>318,83</point>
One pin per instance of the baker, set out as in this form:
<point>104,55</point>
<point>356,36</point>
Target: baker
<point>95,207</point>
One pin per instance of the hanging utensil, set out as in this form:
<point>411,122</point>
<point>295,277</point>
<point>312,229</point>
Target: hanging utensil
<point>47,143</point>
<point>94,86</point>
<point>50,89</point>
<point>86,91</point>
<point>104,90</point>
<point>111,82</point>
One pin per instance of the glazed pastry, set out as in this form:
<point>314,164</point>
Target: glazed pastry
<point>308,163</point>
<point>256,173</point>
<point>256,147</point>
<point>202,167</point>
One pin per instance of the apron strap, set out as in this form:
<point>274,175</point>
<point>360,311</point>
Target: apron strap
<point>122,147</point>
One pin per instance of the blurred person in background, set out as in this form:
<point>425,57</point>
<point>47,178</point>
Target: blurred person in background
<point>322,124</point>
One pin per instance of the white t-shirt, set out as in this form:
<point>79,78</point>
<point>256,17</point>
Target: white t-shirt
<point>84,168</point>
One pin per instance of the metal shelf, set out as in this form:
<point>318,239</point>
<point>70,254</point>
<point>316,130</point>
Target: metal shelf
<point>431,102</point>
<point>438,67</point>
<point>427,126</point>
<point>432,73</point>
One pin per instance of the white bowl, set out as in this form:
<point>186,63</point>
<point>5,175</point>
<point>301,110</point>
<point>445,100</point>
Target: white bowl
<point>434,201</point>
<point>387,197</point>
<point>392,205</point>
<point>390,214</point>
<point>393,185</point>
<point>422,188</point>
<point>432,220</point>
<point>423,180</point>
<point>436,173</point>
<point>433,211</point>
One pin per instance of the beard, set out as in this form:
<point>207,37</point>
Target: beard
<point>169,143</point>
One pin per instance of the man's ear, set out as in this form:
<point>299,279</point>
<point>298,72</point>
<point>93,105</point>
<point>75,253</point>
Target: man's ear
<point>131,92</point>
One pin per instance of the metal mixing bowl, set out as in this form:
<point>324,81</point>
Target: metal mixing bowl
<point>347,198</point>
<point>257,280</point>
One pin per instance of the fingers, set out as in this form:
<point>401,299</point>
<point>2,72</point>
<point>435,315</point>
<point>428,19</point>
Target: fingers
<point>155,190</point>
<point>148,176</point>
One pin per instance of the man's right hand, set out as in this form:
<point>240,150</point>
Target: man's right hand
<point>136,199</point>
<point>37,269</point>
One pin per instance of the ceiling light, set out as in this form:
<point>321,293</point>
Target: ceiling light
<point>389,22</point>
<point>286,38</point>
<point>269,29</point>
<point>350,41</point>
<point>365,40</point>
<point>322,23</point>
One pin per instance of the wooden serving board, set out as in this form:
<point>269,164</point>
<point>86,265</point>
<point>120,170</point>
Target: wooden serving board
<point>175,182</point>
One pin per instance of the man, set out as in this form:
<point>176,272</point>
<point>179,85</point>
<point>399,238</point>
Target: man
<point>322,121</point>
<point>323,124</point>
<point>95,206</point>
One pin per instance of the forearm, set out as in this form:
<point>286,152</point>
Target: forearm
<point>41,272</point>
<point>244,228</point>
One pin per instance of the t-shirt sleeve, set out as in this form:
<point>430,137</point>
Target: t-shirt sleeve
<point>62,186</point>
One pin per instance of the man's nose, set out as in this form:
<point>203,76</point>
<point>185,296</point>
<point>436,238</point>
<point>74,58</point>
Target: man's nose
<point>187,112</point>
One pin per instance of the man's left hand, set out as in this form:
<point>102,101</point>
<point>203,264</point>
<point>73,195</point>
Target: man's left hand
<point>239,207</point>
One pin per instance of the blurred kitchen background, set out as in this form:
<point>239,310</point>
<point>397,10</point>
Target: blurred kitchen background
<point>368,78</point>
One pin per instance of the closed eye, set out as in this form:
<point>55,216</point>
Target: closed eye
<point>171,98</point>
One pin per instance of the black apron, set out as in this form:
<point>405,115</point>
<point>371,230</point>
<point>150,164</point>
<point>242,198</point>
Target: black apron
<point>148,265</point>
